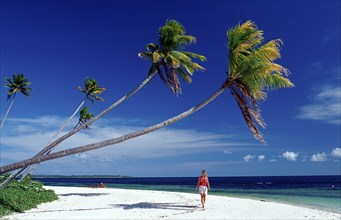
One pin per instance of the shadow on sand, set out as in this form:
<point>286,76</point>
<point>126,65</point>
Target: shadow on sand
<point>151,205</point>
<point>84,194</point>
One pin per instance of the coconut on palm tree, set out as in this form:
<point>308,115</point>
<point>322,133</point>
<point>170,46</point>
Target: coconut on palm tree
<point>171,36</point>
<point>18,84</point>
<point>251,72</point>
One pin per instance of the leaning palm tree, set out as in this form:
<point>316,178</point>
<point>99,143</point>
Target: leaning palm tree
<point>92,92</point>
<point>19,84</point>
<point>251,71</point>
<point>172,36</point>
<point>84,116</point>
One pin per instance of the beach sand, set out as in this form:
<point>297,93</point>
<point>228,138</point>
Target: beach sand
<point>108,203</point>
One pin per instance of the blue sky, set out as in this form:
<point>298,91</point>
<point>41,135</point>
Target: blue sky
<point>56,44</point>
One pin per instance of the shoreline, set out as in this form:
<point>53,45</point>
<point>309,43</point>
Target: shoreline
<point>112,203</point>
<point>240,196</point>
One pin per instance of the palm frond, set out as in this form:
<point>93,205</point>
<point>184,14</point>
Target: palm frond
<point>249,116</point>
<point>81,89</point>
<point>172,61</point>
<point>191,67</point>
<point>169,77</point>
<point>161,75</point>
<point>185,39</point>
<point>152,47</point>
<point>157,56</point>
<point>98,98</point>
<point>97,90</point>
<point>183,75</point>
<point>270,50</point>
<point>180,56</point>
<point>146,55</point>
<point>176,81</point>
<point>194,55</point>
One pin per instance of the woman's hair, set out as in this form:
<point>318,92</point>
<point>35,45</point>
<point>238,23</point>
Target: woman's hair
<point>203,171</point>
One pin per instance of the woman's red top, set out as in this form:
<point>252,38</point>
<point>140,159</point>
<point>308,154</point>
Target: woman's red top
<point>203,181</point>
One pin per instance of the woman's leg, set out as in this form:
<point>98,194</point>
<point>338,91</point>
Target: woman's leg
<point>202,200</point>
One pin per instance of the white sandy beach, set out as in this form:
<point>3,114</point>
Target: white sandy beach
<point>108,203</point>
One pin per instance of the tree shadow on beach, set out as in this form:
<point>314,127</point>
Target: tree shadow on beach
<point>151,205</point>
<point>67,210</point>
<point>84,194</point>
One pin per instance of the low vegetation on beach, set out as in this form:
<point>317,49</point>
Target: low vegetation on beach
<point>25,195</point>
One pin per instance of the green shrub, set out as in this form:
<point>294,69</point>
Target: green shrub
<point>21,196</point>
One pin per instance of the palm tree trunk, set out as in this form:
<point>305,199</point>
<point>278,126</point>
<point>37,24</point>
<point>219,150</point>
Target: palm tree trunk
<point>31,168</point>
<point>67,122</point>
<point>98,145</point>
<point>5,183</point>
<point>79,122</point>
<point>9,108</point>
<point>69,134</point>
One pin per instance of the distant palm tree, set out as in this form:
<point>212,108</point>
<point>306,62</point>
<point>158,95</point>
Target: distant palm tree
<point>92,91</point>
<point>19,84</point>
<point>251,70</point>
<point>171,36</point>
<point>84,116</point>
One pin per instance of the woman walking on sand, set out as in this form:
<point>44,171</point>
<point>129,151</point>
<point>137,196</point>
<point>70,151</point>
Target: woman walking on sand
<point>203,186</point>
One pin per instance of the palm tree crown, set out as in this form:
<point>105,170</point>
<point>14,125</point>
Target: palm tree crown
<point>251,70</point>
<point>19,84</point>
<point>92,90</point>
<point>84,116</point>
<point>169,59</point>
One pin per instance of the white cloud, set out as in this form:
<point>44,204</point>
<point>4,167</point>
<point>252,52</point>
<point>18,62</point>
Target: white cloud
<point>325,106</point>
<point>227,152</point>
<point>157,144</point>
<point>273,160</point>
<point>82,155</point>
<point>336,152</point>
<point>261,157</point>
<point>292,156</point>
<point>319,157</point>
<point>247,158</point>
